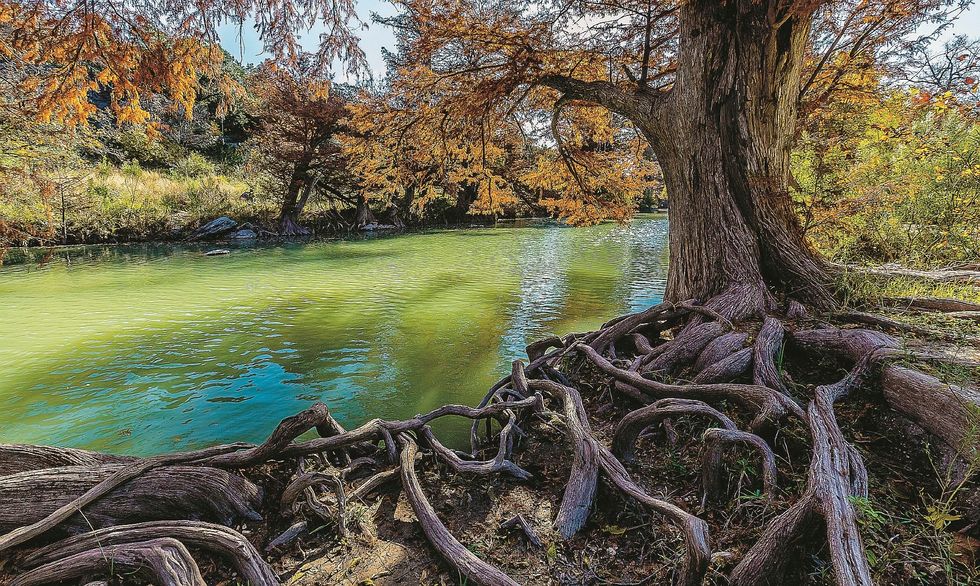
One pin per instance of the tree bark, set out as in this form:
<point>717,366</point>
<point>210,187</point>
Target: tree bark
<point>725,157</point>
<point>722,135</point>
<point>293,203</point>
<point>364,216</point>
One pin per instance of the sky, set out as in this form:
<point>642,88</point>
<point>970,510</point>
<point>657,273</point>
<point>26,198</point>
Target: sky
<point>247,47</point>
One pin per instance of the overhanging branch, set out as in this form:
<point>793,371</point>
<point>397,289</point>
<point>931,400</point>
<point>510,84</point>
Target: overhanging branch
<point>641,106</point>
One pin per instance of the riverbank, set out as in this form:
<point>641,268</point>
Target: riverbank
<point>388,503</point>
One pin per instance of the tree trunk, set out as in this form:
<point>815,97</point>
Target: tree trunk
<point>293,203</point>
<point>723,135</point>
<point>725,155</point>
<point>364,216</point>
<point>401,211</point>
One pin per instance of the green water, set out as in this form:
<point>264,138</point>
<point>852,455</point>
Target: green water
<point>145,349</point>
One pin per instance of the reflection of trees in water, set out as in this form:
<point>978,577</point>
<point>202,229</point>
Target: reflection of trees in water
<point>390,327</point>
<point>572,273</point>
<point>542,290</point>
<point>645,269</point>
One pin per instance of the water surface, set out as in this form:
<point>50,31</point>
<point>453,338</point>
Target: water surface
<point>145,349</point>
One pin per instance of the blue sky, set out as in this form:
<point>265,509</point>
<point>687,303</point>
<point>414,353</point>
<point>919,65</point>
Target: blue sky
<point>248,48</point>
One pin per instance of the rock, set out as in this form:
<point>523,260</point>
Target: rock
<point>374,226</point>
<point>217,252</point>
<point>243,234</point>
<point>214,229</point>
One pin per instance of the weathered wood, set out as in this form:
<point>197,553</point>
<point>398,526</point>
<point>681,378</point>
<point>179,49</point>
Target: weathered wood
<point>454,552</point>
<point>933,304</point>
<point>317,416</point>
<point>499,463</point>
<point>720,348</point>
<point>768,346</point>
<point>576,501</point>
<point>16,458</point>
<point>694,564</point>
<point>217,539</point>
<point>616,329</point>
<point>685,348</point>
<point>288,536</point>
<point>728,369</point>
<point>634,422</point>
<point>520,521</point>
<point>717,441</point>
<point>949,412</point>
<point>44,499</point>
<point>832,479</point>
<point>375,429</point>
<point>968,277</point>
<point>848,343</point>
<point>771,404</point>
<point>165,562</point>
<point>374,483</point>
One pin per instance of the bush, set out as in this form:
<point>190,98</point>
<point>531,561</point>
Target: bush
<point>902,185</point>
<point>194,165</point>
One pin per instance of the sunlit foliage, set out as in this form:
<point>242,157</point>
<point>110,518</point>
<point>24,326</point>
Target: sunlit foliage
<point>895,180</point>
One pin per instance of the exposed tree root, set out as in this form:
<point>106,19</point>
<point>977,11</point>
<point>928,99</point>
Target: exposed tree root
<point>43,499</point>
<point>442,540</point>
<point>529,532</point>
<point>933,304</point>
<point>145,511</point>
<point>969,277</point>
<point>162,561</point>
<point>716,441</point>
<point>16,458</point>
<point>630,426</point>
<point>221,540</point>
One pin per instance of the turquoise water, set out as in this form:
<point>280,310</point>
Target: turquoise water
<point>146,349</point>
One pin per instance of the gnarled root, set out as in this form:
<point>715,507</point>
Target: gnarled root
<point>589,449</point>
<point>716,441</point>
<point>630,426</point>
<point>173,492</point>
<point>163,561</point>
<point>217,539</point>
<point>441,539</point>
<point>16,458</point>
<point>833,476</point>
<point>705,371</point>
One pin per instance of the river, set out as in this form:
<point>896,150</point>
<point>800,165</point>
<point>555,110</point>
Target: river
<point>153,348</point>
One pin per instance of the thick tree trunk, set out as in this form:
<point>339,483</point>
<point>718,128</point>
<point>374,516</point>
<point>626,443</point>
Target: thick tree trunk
<point>725,156</point>
<point>722,135</point>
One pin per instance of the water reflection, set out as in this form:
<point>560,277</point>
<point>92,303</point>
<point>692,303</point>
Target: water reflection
<point>152,348</point>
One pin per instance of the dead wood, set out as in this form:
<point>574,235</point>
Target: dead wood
<point>520,521</point>
<point>39,500</point>
<point>16,458</point>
